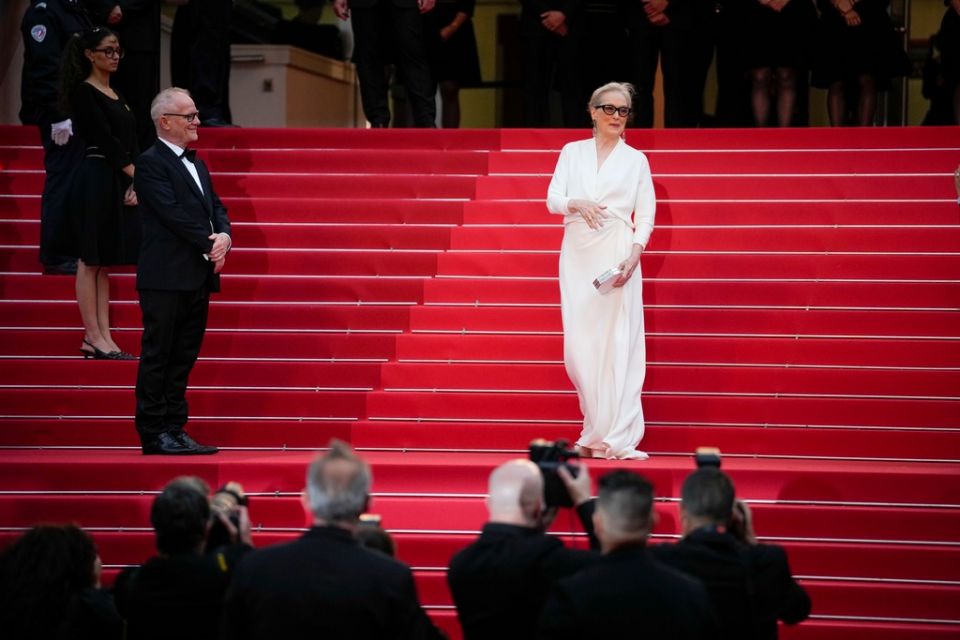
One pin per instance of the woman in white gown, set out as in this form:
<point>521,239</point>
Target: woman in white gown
<point>603,188</point>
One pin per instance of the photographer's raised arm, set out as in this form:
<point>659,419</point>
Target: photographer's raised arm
<point>579,489</point>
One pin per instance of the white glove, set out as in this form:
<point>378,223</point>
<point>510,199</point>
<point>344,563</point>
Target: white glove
<point>61,132</point>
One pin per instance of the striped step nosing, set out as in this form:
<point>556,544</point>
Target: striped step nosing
<point>346,331</point>
<point>41,416</point>
<point>105,387</point>
<point>453,276</point>
<point>753,200</point>
<point>655,174</point>
<point>750,307</point>
<point>693,394</point>
<point>917,581</point>
<point>223,359</point>
<point>658,363</point>
<point>655,252</point>
<point>818,616</point>
<point>797,336</point>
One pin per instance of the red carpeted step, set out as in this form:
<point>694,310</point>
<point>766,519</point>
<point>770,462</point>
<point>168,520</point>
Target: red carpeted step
<point>773,139</point>
<point>718,349</point>
<point>493,291</point>
<point>718,265</point>
<point>814,161</point>
<point>299,185</point>
<point>370,210</point>
<point>827,629</point>
<point>293,289</point>
<point>346,161</point>
<point>806,239</point>
<point>917,601</point>
<point>229,343</point>
<point>764,322</point>
<point>735,187</point>
<point>346,138</point>
<point>258,433</point>
<point>218,403</point>
<point>699,211</point>
<point>659,378</point>
<point>213,374</point>
<point>779,410</point>
<point>732,439</point>
<point>20,157</point>
<point>18,135</point>
<point>225,315</point>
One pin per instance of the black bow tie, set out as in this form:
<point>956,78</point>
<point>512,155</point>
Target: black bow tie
<point>189,154</point>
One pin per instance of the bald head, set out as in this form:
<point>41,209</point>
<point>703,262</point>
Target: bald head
<point>516,493</point>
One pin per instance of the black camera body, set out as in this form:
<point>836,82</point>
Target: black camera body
<point>549,456</point>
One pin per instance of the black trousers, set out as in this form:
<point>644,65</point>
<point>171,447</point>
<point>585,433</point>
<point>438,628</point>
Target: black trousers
<point>650,44</point>
<point>59,163</point>
<point>173,326</point>
<point>138,80</point>
<point>549,60</point>
<point>200,55</point>
<point>383,34</point>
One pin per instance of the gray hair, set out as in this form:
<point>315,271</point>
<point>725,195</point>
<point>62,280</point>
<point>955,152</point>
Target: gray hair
<point>338,484</point>
<point>624,88</point>
<point>162,103</point>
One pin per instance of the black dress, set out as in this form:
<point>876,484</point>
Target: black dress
<point>871,48</point>
<point>771,39</point>
<point>105,231</point>
<point>457,58</point>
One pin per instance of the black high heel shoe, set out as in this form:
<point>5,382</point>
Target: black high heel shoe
<point>96,354</point>
<point>121,355</point>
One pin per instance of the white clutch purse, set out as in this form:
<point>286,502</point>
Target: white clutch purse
<point>604,281</point>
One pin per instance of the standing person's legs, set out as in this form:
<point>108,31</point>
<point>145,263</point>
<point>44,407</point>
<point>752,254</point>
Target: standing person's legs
<point>210,59</point>
<point>191,326</point>
<point>760,95</point>
<point>537,63</point>
<point>411,51</point>
<point>161,310</point>
<point>837,103</point>
<point>786,95</point>
<point>138,80</point>
<point>59,163</point>
<point>676,70</point>
<point>645,54</point>
<point>370,62</point>
<point>573,94</point>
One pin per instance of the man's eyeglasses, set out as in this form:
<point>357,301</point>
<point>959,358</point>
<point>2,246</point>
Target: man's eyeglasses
<point>610,109</point>
<point>190,117</point>
<point>111,52</point>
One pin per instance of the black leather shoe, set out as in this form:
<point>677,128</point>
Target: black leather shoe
<point>200,449</point>
<point>166,444</point>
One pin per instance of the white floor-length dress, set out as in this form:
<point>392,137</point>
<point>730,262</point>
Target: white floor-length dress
<point>603,337</point>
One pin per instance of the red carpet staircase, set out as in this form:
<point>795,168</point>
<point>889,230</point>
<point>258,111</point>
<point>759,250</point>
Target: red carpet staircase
<point>397,289</point>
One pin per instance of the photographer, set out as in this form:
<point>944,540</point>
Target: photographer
<point>500,582</point>
<point>179,592</point>
<point>750,584</point>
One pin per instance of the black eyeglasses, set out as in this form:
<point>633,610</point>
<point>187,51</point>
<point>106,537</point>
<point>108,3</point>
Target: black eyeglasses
<point>190,117</point>
<point>111,51</point>
<point>610,109</point>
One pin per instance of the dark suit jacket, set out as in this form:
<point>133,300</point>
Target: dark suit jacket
<point>324,585</point>
<point>627,594</point>
<point>500,582</point>
<point>178,596</point>
<point>177,220</point>
<point>750,585</point>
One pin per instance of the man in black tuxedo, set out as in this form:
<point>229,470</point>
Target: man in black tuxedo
<point>186,237</point>
<point>500,582</point>
<point>325,585</point>
<point>385,31</point>
<point>749,584</point>
<point>627,594</point>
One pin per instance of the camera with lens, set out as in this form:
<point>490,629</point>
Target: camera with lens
<point>226,503</point>
<point>549,456</point>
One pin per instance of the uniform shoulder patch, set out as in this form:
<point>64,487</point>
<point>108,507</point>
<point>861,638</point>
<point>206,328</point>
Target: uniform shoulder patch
<point>39,32</point>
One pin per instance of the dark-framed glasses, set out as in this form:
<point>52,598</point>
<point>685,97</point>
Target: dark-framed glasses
<point>189,117</point>
<point>111,52</point>
<point>610,109</point>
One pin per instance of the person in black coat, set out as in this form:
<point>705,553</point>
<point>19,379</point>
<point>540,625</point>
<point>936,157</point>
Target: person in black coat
<point>200,57</point>
<point>46,27</point>
<point>325,585</point>
<point>750,584</point>
<point>186,237</point>
<point>551,36</point>
<point>627,593</point>
<point>378,27</point>
<point>507,573</point>
<point>137,24</point>
<point>179,592</point>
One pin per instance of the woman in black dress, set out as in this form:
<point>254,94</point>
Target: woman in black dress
<point>452,49</point>
<point>775,36</point>
<point>105,228</point>
<point>859,54</point>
